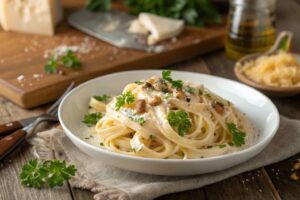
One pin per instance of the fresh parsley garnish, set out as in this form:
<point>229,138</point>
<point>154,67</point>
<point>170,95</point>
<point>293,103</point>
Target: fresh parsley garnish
<point>167,96</point>
<point>222,146</point>
<point>134,117</point>
<point>51,65</point>
<point>92,118</point>
<point>189,89</point>
<point>125,98</point>
<point>180,121</point>
<point>139,82</point>
<point>238,137</point>
<point>98,5</point>
<point>166,75</point>
<point>138,119</point>
<point>103,98</point>
<point>70,60</point>
<point>53,173</point>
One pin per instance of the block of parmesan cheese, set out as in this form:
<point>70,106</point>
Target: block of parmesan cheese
<point>137,27</point>
<point>30,16</point>
<point>160,28</point>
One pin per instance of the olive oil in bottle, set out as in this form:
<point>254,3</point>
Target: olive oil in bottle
<point>250,27</point>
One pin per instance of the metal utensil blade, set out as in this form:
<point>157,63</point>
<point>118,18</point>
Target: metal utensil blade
<point>112,27</point>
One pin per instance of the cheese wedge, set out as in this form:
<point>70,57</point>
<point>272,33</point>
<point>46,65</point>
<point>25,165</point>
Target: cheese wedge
<point>160,28</point>
<point>137,28</point>
<point>30,16</point>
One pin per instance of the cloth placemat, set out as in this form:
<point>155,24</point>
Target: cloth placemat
<point>110,183</point>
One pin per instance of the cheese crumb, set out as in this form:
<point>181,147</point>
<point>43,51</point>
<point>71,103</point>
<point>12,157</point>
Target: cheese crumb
<point>20,78</point>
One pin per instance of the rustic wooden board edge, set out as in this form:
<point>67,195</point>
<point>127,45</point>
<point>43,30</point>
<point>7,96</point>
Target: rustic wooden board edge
<point>41,96</point>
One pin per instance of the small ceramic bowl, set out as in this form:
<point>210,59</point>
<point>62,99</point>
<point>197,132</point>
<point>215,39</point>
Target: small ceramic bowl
<point>268,90</point>
<point>282,43</point>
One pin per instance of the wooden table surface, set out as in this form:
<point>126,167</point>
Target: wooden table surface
<point>270,182</point>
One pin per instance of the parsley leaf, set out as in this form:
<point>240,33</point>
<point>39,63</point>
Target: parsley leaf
<point>194,12</point>
<point>70,60</point>
<point>190,89</point>
<point>92,119</point>
<point>125,98</point>
<point>58,172</point>
<point>238,137</point>
<point>46,173</point>
<point>140,82</point>
<point>166,75</point>
<point>103,98</point>
<point>140,120</point>
<point>180,121</point>
<point>51,65</point>
<point>98,5</point>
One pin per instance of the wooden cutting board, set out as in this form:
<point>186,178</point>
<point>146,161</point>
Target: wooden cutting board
<point>23,55</point>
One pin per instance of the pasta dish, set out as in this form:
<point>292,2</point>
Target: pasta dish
<point>168,119</point>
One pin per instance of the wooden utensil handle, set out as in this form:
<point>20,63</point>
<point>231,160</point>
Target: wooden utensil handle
<point>10,142</point>
<point>10,127</point>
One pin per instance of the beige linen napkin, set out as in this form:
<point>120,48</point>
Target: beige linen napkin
<point>110,183</point>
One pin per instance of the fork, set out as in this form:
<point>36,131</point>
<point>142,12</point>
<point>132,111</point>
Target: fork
<point>11,142</point>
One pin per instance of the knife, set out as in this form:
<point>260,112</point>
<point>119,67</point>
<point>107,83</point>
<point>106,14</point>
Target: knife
<point>111,27</point>
<point>7,128</point>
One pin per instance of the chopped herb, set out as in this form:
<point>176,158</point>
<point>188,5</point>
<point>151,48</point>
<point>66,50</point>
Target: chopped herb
<point>222,145</point>
<point>52,173</point>
<point>207,94</point>
<point>136,118</point>
<point>166,75</point>
<point>125,98</point>
<point>167,96</point>
<point>92,119</point>
<point>98,5</point>
<point>101,144</point>
<point>103,98</point>
<point>200,92</point>
<point>180,121</point>
<point>70,60</point>
<point>140,120</point>
<point>193,12</point>
<point>87,138</point>
<point>238,137</point>
<point>190,89</point>
<point>51,65</point>
<point>139,82</point>
<point>151,136</point>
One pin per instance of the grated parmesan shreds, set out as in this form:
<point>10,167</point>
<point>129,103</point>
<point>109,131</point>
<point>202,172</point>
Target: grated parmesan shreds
<point>86,46</point>
<point>281,69</point>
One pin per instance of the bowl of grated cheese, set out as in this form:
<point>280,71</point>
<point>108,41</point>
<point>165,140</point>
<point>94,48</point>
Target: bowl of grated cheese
<point>275,73</point>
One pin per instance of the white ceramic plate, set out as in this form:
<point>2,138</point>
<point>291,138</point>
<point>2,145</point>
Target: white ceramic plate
<point>258,108</point>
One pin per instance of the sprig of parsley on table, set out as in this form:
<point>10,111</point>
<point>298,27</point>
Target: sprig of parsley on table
<point>70,60</point>
<point>166,75</point>
<point>103,98</point>
<point>180,121</point>
<point>238,137</point>
<point>53,173</point>
<point>92,118</point>
<point>51,65</point>
<point>125,98</point>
